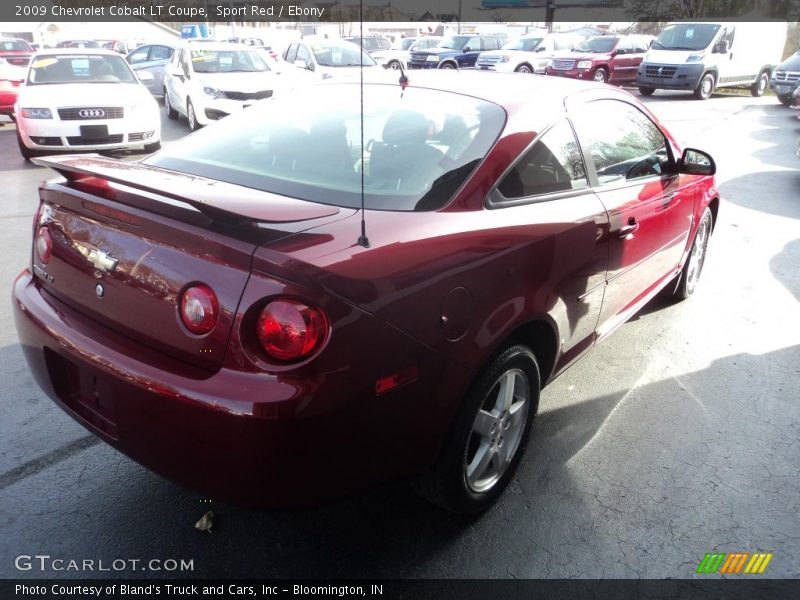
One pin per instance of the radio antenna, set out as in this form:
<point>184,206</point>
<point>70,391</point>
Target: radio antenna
<point>363,240</point>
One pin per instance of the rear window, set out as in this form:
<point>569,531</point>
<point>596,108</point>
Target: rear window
<point>14,46</point>
<point>79,68</point>
<point>419,146</point>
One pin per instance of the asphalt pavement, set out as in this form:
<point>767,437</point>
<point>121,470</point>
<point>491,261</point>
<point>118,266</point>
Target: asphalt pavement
<point>677,436</point>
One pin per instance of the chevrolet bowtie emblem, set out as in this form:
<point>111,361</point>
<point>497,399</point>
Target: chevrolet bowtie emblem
<point>102,261</point>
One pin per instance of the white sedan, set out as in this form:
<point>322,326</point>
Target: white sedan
<point>84,99</point>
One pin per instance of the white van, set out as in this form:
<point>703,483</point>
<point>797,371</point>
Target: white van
<point>701,57</point>
<point>529,53</point>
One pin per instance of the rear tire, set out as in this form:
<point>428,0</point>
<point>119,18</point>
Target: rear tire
<point>171,112</point>
<point>394,65</point>
<point>646,91</point>
<point>760,86</point>
<point>524,69</point>
<point>488,437</point>
<point>697,257</point>
<point>705,87</point>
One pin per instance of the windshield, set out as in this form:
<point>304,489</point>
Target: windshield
<point>228,61</point>
<point>455,42</point>
<point>404,44</point>
<point>597,44</point>
<point>340,55</point>
<point>686,36</point>
<point>420,146</point>
<point>79,68</point>
<point>526,44</point>
<point>14,46</point>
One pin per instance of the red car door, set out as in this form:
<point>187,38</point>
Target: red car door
<point>635,176</point>
<point>623,62</point>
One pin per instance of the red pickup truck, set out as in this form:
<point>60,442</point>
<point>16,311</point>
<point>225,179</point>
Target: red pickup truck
<point>606,58</point>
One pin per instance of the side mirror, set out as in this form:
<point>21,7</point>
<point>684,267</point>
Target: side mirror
<point>144,76</point>
<point>722,47</point>
<point>696,162</point>
<point>467,49</point>
<point>540,49</point>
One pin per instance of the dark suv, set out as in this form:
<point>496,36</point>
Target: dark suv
<point>456,51</point>
<point>371,43</point>
<point>786,78</point>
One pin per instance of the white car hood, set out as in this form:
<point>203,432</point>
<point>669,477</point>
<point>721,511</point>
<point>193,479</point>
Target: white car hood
<point>239,82</point>
<point>83,94</point>
<point>668,57</point>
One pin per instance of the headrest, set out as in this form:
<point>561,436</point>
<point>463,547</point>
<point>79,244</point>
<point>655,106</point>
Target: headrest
<point>405,126</point>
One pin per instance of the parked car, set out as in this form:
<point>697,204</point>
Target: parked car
<point>15,51</point>
<point>207,81</point>
<point>701,57</point>
<point>220,312</point>
<point>11,79</point>
<point>84,99</point>
<point>119,46</point>
<point>328,58</point>
<point>370,43</point>
<point>154,59</point>
<point>400,51</point>
<point>529,53</point>
<point>608,58</point>
<point>456,51</point>
<point>78,44</point>
<point>786,78</point>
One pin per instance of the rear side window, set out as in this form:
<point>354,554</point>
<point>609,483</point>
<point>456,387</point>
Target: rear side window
<point>160,53</point>
<point>553,164</point>
<point>624,145</point>
<point>139,55</point>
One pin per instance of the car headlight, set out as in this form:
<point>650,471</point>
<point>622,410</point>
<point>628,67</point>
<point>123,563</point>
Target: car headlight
<point>36,113</point>
<point>432,58</point>
<point>695,57</point>
<point>504,58</point>
<point>585,64</point>
<point>210,91</point>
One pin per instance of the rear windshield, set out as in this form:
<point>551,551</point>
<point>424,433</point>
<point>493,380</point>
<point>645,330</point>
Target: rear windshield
<point>79,68</point>
<point>420,146</point>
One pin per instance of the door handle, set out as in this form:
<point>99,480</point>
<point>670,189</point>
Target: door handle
<point>629,229</point>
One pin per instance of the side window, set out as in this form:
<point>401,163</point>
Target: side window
<point>624,46</point>
<point>139,56</point>
<point>291,53</point>
<point>187,70</point>
<point>553,164</point>
<point>624,145</point>
<point>302,54</point>
<point>474,44</point>
<point>160,53</point>
<point>728,36</point>
<point>176,58</point>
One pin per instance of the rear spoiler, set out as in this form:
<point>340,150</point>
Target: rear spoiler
<point>220,201</point>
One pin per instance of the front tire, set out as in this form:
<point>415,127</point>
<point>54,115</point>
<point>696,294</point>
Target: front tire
<point>705,87</point>
<point>785,100</point>
<point>489,435</point>
<point>172,114</point>
<point>760,86</point>
<point>191,116</point>
<point>696,259</point>
<point>26,152</point>
<point>447,65</point>
<point>646,91</point>
<point>600,75</point>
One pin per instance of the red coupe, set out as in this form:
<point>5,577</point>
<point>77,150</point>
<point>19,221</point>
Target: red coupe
<point>225,313</point>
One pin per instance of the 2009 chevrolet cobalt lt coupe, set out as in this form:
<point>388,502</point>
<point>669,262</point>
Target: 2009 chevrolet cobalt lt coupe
<point>225,313</point>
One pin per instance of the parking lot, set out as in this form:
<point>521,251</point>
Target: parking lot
<point>677,436</point>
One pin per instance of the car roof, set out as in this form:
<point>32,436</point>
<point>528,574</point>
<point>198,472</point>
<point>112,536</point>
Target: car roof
<point>81,51</point>
<point>217,46</point>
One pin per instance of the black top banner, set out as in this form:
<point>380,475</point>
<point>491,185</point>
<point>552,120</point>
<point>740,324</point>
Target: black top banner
<point>332,11</point>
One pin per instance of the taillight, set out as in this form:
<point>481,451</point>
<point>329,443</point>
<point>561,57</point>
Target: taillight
<point>199,309</point>
<point>289,330</point>
<point>44,244</point>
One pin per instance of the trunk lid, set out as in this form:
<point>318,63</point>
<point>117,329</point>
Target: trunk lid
<point>128,239</point>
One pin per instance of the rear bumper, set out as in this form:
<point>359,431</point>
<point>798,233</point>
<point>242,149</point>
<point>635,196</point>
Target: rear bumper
<point>684,77</point>
<point>242,437</point>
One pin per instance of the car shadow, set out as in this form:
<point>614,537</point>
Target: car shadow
<point>753,191</point>
<point>116,508</point>
<point>784,267</point>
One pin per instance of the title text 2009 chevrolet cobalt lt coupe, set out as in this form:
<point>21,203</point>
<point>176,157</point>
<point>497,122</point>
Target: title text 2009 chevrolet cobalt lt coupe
<point>220,313</point>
